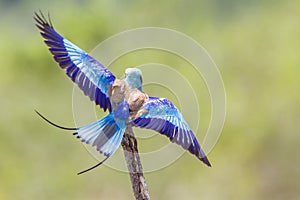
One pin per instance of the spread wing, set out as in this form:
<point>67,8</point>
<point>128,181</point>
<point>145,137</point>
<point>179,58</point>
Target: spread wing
<point>91,76</point>
<point>161,115</point>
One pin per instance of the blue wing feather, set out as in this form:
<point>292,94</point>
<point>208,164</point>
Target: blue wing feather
<point>162,116</point>
<point>90,75</point>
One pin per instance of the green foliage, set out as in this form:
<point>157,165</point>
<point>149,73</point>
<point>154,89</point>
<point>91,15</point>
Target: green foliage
<point>256,47</point>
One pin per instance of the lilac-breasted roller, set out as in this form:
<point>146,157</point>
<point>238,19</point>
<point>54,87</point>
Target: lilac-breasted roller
<point>124,99</point>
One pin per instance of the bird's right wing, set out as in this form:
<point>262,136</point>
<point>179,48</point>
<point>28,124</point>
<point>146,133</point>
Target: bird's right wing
<point>161,115</point>
<point>90,75</point>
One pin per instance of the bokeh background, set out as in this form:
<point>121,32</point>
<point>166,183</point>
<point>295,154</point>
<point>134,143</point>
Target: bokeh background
<point>256,46</point>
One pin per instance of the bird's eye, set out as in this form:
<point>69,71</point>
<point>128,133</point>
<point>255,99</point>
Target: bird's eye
<point>141,79</point>
<point>125,75</point>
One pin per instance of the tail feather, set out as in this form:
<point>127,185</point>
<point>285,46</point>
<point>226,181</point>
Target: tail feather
<point>53,124</point>
<point>108,132</point>
<point>105,134</point>
<point>112,144</point>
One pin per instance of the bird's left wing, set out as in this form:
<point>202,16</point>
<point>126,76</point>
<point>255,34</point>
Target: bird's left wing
<point>161,115</point>
<point>91,76</point>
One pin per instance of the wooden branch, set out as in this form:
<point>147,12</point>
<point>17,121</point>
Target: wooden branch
<point>135,170</point>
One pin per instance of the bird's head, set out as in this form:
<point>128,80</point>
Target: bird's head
<point>133,78</point>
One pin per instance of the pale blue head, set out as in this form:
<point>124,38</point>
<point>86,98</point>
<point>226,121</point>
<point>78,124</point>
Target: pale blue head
<point>133,78</point>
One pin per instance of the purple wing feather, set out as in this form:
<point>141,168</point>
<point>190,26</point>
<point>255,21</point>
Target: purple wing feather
<point>91,76</point>
<point>163,117</point>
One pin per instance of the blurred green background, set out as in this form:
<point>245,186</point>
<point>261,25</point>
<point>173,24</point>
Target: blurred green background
<point>256,46</point>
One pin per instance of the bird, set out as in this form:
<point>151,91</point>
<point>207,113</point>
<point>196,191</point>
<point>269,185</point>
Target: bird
<point>124,99</point>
